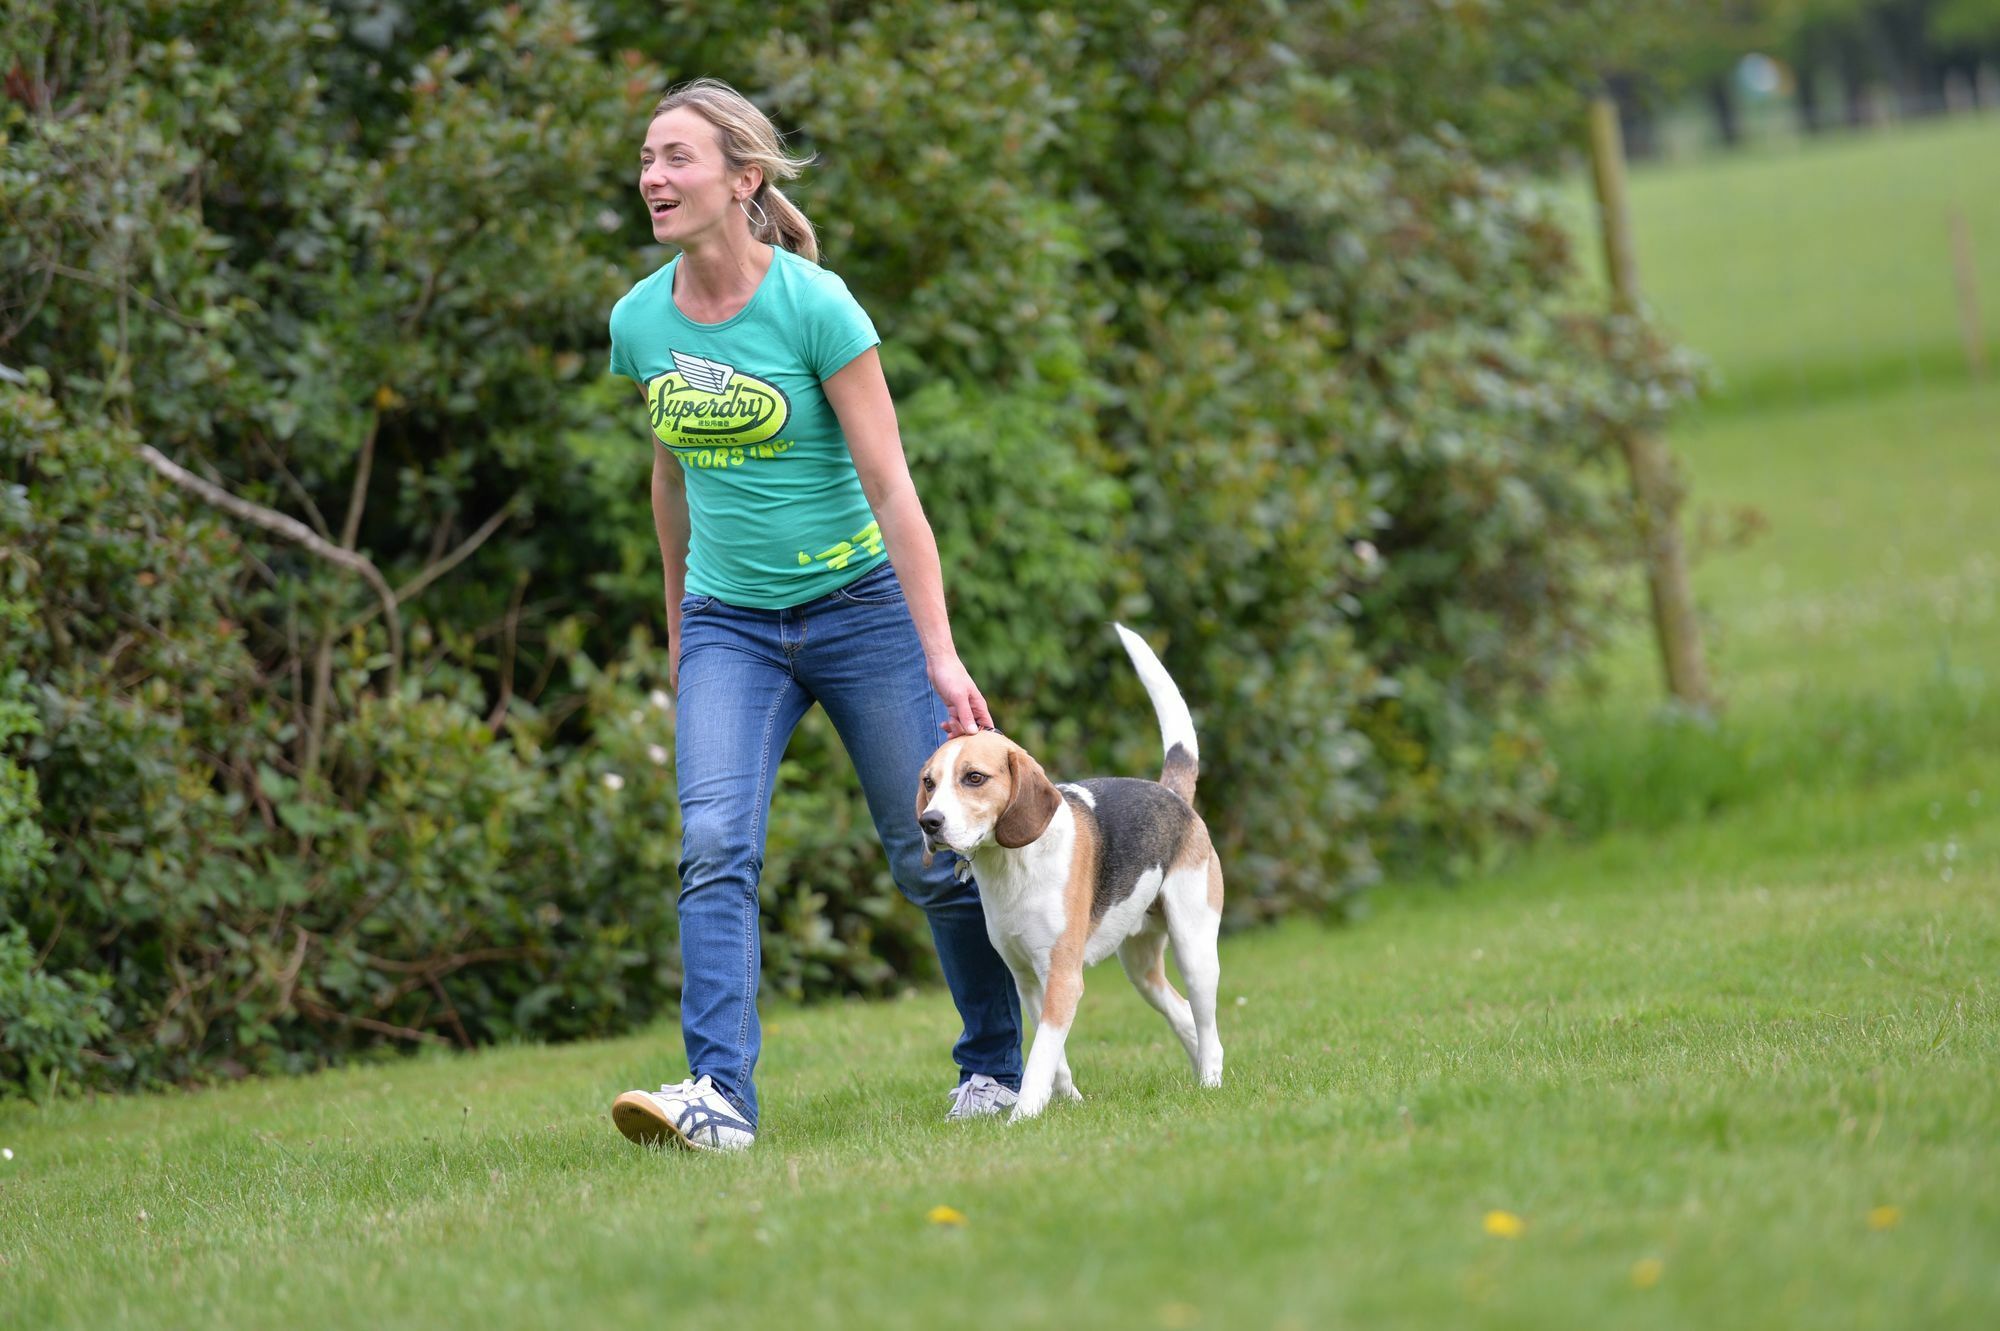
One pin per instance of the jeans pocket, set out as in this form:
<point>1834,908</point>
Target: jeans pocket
<point>876,587</point>
<point>694,605</point>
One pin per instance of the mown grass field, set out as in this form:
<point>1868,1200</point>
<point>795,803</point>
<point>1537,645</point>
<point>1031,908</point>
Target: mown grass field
<point>1723,1057</point>
<point>1697,1066</point>
<point>1821,269</point>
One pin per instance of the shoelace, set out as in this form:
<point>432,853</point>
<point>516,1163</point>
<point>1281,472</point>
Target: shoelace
<point>974,1092</point>
<point>699,1113</point>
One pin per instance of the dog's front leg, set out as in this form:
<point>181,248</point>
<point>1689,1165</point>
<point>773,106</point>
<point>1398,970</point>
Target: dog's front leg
<point>1045,1057</point>
<point>1030,990</point>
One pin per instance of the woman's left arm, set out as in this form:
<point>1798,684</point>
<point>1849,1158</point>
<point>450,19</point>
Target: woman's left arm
<point>859,396</point>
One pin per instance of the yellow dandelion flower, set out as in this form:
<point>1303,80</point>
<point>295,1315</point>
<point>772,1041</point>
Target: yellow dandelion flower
<point>1885,1217</point>
<point>1505,1225</point>
<point>1646,1272</point>
<point>945,1215</point>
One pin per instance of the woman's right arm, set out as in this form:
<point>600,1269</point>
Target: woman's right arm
<point>670,521</point>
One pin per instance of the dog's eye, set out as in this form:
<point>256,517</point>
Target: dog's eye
<point>974,778</point>
<point>929,784</point>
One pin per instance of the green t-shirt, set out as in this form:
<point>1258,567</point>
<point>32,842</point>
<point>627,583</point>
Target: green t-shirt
<point>776,512</point>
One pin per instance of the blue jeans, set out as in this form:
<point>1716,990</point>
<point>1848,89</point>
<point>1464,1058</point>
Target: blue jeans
<point>746,679</point>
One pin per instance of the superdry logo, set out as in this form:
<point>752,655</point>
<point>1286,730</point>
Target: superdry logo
<point>701,403</point>
<point>710,376</point>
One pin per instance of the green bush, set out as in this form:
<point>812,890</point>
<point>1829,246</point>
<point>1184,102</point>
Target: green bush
<point>46,1021</point>
<point>446,880</point>
<point>24,848</point>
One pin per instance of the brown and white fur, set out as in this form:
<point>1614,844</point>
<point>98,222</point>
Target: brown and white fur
<point>1069,874</point>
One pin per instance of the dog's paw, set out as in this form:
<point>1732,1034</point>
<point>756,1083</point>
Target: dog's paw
<point>1025,1108</point>
<point>1069,1092</point>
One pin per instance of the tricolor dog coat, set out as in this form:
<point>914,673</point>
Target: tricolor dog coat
<point>1069,874</point>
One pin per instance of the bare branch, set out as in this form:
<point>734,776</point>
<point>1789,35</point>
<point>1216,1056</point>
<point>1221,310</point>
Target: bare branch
<point>350,528</point>
<point>297,487</point>
<point>122,288</point>
<point>442,566</point>
<point>451,1012</point>
<point>322,1012</point>
<point>292,530</point>
<point>431,967</point>
<point>357,498</point>
<point>507,654</point>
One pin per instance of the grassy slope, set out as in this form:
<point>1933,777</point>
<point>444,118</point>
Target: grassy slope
<point>1720,1048</point>
<point>1881,562</point>
<point>1823,268</point>
<point>1855,639</point>
<point>1717,1036</point>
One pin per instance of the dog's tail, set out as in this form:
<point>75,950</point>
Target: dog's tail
<point>1176,726</point>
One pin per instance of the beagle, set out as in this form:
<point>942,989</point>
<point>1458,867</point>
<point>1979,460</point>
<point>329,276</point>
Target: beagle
<point>1069,874</point>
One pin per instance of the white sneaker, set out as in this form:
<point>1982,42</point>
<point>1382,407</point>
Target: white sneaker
<point>690,1113</point>
<point>976,1095</point>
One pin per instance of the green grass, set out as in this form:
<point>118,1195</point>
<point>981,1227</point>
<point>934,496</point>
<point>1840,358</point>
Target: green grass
<point>1753,1004</point>
<point>1720,1048</point>
<point>1854,639</point>
<point>1823,268</point>
<point>1882,564</point>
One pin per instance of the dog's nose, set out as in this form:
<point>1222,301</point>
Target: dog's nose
<point>932,822</point>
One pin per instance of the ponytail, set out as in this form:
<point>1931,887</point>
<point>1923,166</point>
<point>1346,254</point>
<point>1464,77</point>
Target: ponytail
<point>784,225</point>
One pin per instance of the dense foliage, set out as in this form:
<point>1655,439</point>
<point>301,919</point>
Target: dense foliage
<point>1186,328</point>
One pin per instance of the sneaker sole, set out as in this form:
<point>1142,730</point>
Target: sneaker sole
<point>640,1119</point>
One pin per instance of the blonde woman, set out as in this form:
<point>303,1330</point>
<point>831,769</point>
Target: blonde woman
<point>800,568</point>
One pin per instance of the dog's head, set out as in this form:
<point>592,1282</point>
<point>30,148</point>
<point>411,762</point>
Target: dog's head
<point>981,788</point>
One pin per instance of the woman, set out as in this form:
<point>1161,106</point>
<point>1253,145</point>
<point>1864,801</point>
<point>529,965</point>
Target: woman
<point>799,568</point>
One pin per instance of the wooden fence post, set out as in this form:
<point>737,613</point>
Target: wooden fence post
<point>1966,276</point>
<point>1656,493</point>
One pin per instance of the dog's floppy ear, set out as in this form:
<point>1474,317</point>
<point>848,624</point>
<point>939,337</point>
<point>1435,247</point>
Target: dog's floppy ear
<point>924,798</point>
<point>1033,802</point>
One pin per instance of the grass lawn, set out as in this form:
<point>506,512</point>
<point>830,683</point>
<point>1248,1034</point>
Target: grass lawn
<point>1882,564</point>
<point>1856,638</point>
<point>1728,1058</point>
<point>1824,267</point>
<point>1730,1061</point>
<point>1737,1074</point>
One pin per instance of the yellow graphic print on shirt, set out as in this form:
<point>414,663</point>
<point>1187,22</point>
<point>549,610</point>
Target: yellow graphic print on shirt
<point>705,405</point>
<point>868,540</point>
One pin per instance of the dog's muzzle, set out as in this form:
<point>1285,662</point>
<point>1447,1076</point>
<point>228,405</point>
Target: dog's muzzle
<point>934,844</point>
<point>933,824</point>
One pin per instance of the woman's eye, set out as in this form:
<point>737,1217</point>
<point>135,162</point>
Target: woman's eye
<point>975,778</point>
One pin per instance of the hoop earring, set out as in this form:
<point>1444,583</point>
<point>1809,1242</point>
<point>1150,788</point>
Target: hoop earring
<point>761,221</point>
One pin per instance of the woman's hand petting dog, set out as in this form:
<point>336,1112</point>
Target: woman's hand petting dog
<point>968,714</point>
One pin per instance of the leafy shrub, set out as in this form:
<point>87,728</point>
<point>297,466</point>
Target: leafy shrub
<point>46,1021</point>
<point>23,847</point>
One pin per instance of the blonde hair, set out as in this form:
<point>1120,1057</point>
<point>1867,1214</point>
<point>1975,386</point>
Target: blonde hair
<point>748,139</point>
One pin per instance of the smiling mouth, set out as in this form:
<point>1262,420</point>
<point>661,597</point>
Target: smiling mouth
<point>661,207</point>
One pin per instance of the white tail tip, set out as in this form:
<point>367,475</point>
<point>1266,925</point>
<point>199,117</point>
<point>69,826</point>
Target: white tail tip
<point>1176,725</point>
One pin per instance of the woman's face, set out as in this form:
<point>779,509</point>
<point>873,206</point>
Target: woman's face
<point>688,188</point>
